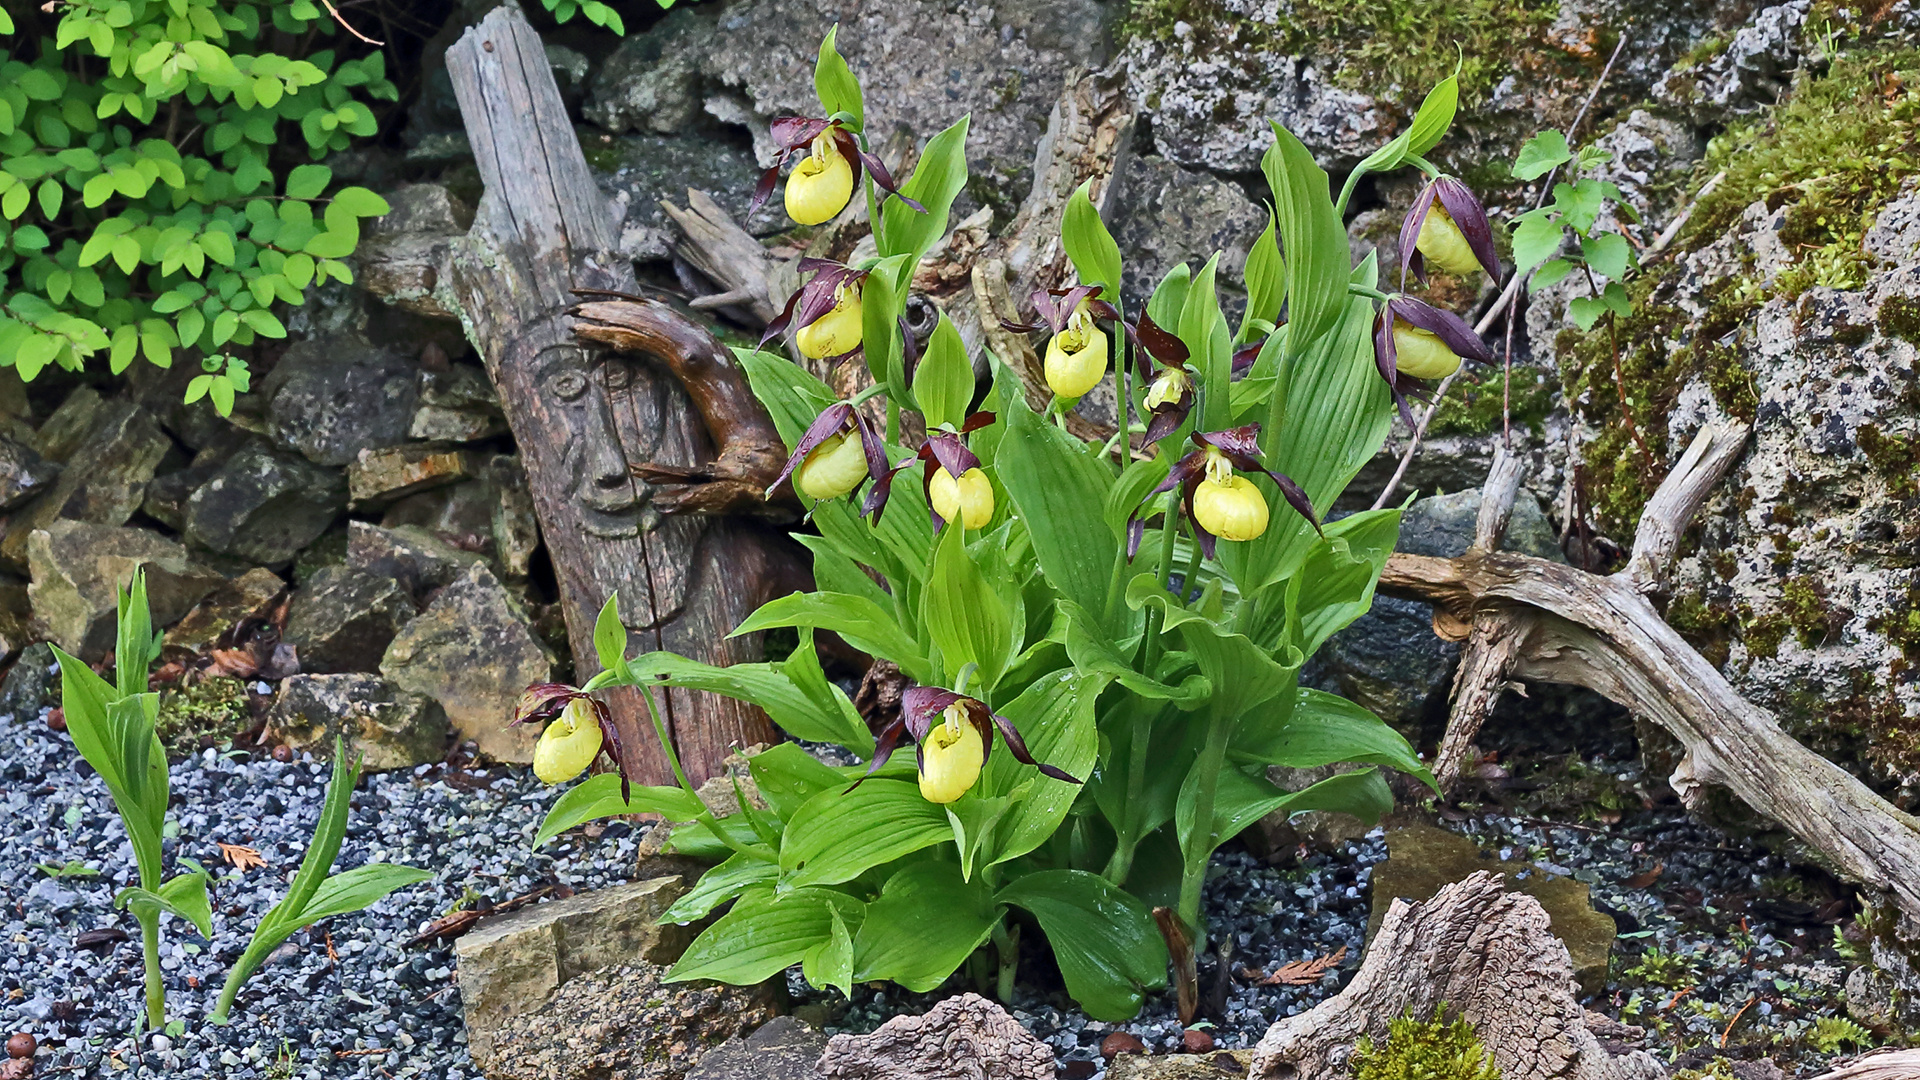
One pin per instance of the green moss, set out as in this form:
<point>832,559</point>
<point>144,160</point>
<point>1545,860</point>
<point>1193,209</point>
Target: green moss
<point>1392,49</point>
<point>1659,968</point>
<point>1437,1049</point>
<point>1900,317</point>
<point>1832,1034</point>
<point>1474,405</point>
<point>208,713</point>
<point>1895,457</point>
<point>1807,610</point>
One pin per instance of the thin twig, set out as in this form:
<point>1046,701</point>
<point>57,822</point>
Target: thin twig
<point>1507,296</point>
<point>1672,231</point>
<point>335,12</point>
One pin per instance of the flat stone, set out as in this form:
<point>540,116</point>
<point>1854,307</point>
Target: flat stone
<point>1219,1065</point>
<point>344,618</point>
<point>228,603</point>
<point>419,560</point>
<point>104,481</point>
<point>457,405</point>
<point>639,172</point>
<point>264,505</point>
<point>77,568</point>
<point>622,1023</point>
<point>378,477</point>
<point>23,472</point>
<point>511,965</point>
<point>332,397</point>
<point>30,683</point>
<point>393,728</point>
<point>475,652</point>
<point>783,1049</point>
<point>962,1038</point>
<point>1422,859</point>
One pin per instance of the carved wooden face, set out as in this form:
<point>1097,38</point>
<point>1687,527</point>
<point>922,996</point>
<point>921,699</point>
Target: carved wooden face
<point>578,392</point>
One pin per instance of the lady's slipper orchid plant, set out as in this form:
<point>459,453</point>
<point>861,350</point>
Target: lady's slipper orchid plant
<point>578,726</point>
<point>953,734</point>
<point>1413,340</point>
<point>1077,353</point>
<point>830,163</point>
<point>957,488</point>
<point>1220,504</point>
<point>1448,227</point>
<point>1170,396</point>
<point>825,312</point>
<point>839,452</point>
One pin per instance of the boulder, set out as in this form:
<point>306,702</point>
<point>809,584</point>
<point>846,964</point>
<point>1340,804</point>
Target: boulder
<point>516,528</point>
<point>638,172</point>
<point>475,652</point>
<point>393,728</point>
<point>344,619</point>
<point>78,567</point>
<point>167,495</point>
<point>461,513</point>
<point>962,1038</point>
<point>104,480</point>
<point>403,257</point>
<point>69,425</point>
<point>16,616</point>
<point>1165,215</point>
<point>456,405</point>
<point>1422,859</point>
<point>264,505</point>
<point>750,61</point>
<point>331,398</point>
<point>32,681</point>
<point>419,560</point>
<point>23,472</point>
<point>378,477</point>
<point>782,1049</point>
<point>228,603</point>
<point>510,966</point>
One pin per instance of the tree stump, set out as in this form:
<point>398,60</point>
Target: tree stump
<point>583,419</point>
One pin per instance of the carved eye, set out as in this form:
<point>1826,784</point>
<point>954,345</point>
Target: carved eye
<point>619,376</point>
<point>567,385</point>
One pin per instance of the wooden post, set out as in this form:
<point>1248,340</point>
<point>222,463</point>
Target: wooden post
<point>582,419</point>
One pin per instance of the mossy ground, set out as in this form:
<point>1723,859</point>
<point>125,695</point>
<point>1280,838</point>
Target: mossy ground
<point>1436,1049</point>
<point>207,713</point>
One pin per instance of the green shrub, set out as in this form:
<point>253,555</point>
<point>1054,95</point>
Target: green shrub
<point>152,189</point>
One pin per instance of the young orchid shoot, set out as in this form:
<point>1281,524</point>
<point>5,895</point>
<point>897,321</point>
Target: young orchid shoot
<point>953,734</point>
<point>1447,227</point>
<point>1220,504</point>
<point>822,183</point>
<point>1414,341</point>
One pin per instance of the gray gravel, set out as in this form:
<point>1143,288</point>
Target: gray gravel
<point>302,1015</point>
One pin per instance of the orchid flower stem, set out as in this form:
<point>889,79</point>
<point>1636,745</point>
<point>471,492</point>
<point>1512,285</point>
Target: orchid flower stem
<point>1358,289</point>
<point>1346,193</point>
<point>156,986</point>
<point>893,422</point>
<point>1213,758</point>
<point>1192,573</point>
<point>1170,527</point>
<point>1121,863</point>
<point>1006,942</point>
<point>867,394</point>
<point>705,817</point>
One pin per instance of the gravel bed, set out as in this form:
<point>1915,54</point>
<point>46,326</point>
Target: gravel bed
<point>380,1011</point>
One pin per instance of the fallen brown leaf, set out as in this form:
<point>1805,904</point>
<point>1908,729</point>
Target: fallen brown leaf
<point>240,663</point>
<point>240,856</point>
<point>1646,878</point>
<point>447,927</point>
<point>1299,972</point>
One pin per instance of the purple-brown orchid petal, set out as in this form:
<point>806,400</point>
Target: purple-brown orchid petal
<point>1186,471</point>
<point>885,741</point>
<point>1165,348</point>
<point>975,421</point>
<point>793,132</point>
<point>951,454</point>
<point>1450,328</point>
<point>882,489</point>
<point>1471,218</point>
<point>1166,419</point>
<point>1245,356</point>
<point>831,421</point>
<point>1017,746</point>
<point>763,190</point>
<point>1410,257</point>
<point>1386,356</point>
<point>876,169</point>
<point>542,702</point>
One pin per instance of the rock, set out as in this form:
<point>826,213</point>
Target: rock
<point>207,713</point>
<point>638,172</point>
<point>783,1049</point>
<point>331,398</point>
<point>264,505</point>
<point>344,619</point>
<point>622,1022</point>
<point>511,965</point>
<point>1442,525</point>
<point>456,405</point>
<point>403,257</point>
<point>1218,1065</point>
<point>419,560</point>
<point>1754,69</point>
<point>516,528</point>
<point>474,651</point>
<point>962,1038</point>
<point>460,513</point>
<point>32,681</point>
<point>166,497</point>
<point>1422,859</point>
<point>393,728</point>
<point>16,616</point>
<point>69,425</point>
<point>78,567</point>
<point>104,480</point>
<point>228,603</point>
<point>378,477</point>
<point>23,472</point>
<point>750,61</point>
<point>1279,834</point>
<point>1166,215</point>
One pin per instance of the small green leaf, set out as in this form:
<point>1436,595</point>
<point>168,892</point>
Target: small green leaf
<point>1536,237</point>
<point>308,181</point>
<point>1586,311</point>
<point>834,82</point>
<point>1550,274</point>
<point>610,635</point>
<point>1435,116</point>
<point>1541,154</point>
<point>1608,254</point>
<point>943,383</point>
<point>51,194</point>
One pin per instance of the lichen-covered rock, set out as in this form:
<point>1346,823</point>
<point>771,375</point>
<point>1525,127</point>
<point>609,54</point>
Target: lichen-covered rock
<point>377,477</point>
<point>392,728</point>
<point>23,472</point>
<point>264,505</point>
<point>963,1038</point>
<point>344,619</point>
<point>638,172</point>
<point>1166,215</point>
<point>922,65</point>
<point>403,257</point>
<point>104,480</point>
<point>78,567</point>
<point>420,561</point>
<point>1215,1066</point>
<point>231,601</point>
<point>1753,69</point>
<point>783,1049</point>
<point>32,681</point>
<point>456,405</point>
<point>331,398</point>
<point>475,652</point>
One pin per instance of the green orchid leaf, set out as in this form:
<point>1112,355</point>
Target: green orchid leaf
<point>765,934</point>
<point>943,384</point>
<point>834,83</point>
<point>1091,248</point>
<point>599,797</point>
<point>1055,717</point>
<point>1109,950</point>
<point>936,180</point>
<point>1322,729</point>
<point>1311,236</point>
<point>720,885</point>
<point>925,923</point>
<point>839,835</point>
<point>966,618</point>
<point>866,626</point>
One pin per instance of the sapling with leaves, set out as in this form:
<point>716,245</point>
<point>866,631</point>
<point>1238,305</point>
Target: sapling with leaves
<point>1127,619</point>
<point>112,725</point>
<point>1602,256</point>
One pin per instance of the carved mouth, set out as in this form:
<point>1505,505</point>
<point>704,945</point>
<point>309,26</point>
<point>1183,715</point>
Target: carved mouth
<point>614,524</point>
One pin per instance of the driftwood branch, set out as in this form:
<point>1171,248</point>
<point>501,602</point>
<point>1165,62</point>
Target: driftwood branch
<point>1601,632</point>
<point>1485,954</point>
<point>1883,1065</point>
<point>1712,452</point>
